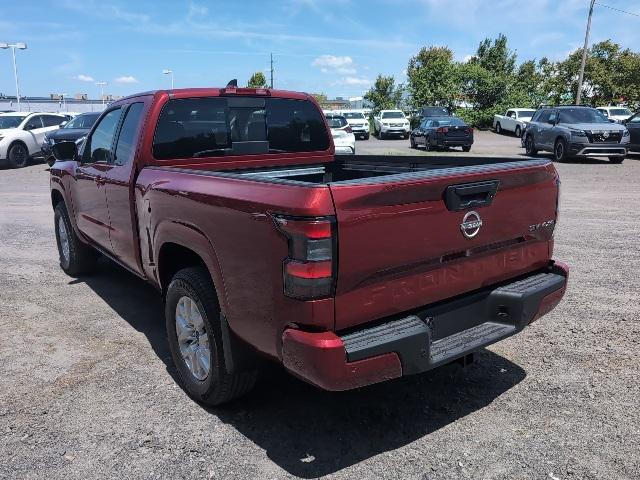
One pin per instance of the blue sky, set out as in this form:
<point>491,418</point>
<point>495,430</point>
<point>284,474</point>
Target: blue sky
<point>335,46</point>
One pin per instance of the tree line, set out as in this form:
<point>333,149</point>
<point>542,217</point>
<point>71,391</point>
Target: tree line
<point>492,81</point>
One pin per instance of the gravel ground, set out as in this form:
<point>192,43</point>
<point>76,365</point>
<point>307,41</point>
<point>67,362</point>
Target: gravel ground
<point>87,388</point>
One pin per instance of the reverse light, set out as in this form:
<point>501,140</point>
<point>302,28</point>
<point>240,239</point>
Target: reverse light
<point>309,271</point>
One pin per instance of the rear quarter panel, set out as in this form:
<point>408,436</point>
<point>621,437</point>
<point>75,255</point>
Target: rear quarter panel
<point>228,222</point>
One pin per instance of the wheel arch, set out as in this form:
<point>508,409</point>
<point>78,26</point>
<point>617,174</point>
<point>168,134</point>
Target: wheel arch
<point>181,247</point>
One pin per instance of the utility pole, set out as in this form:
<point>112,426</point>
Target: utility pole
<point>272,70</point>
<point>584,54</point>
<point>101,84</point>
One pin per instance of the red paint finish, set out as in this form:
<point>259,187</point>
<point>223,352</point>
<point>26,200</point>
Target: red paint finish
<point>320,359</point>
<point>395,245</point>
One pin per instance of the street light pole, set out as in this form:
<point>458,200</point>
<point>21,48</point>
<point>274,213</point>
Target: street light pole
<point>584,54</point>
<point>166,71</point>
<point>13,46</point>
<point>102,84</point>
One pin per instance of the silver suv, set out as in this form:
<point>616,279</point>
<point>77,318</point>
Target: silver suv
<point>575,131</point>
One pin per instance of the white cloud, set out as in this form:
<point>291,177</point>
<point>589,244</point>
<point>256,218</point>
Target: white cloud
<point>126,79</point>
<point>334,64</point>
<point>353,81</point>
<point>85,78</point>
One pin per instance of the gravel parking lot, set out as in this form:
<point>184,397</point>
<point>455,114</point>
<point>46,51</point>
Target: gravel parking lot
<point>87,387</point>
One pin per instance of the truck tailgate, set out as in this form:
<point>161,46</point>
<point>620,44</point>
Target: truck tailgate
<point>401,243</point>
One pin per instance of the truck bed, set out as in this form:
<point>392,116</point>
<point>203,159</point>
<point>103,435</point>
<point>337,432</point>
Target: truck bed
<point>362,167</point>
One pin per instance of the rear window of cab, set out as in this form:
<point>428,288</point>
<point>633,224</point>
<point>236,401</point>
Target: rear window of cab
<point>219,126</point>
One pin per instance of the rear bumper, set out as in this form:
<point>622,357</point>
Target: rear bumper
<point>425,339</point>
<point>463,142</point>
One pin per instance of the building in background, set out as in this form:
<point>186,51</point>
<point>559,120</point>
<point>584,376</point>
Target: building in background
<point>56,103</point>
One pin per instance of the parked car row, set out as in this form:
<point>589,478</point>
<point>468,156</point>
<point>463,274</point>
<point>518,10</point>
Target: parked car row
<point>27,135</point>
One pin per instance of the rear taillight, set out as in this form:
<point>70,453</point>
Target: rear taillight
<point>309,271</point>
<point>469,131</point>
<point>348,129</point>
<point>442,129</point>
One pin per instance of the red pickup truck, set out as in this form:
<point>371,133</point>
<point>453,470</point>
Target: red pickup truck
<point>264,244</point>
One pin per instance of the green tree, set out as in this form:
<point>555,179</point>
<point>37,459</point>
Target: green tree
<point>433,78</point>
<point>384,94</point>
<point>257,80</point>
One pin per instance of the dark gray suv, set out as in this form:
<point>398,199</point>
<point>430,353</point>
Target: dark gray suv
<point>575,131</point>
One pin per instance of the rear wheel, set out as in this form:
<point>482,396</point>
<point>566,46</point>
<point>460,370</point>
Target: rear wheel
<point>618,159</point>
<point>412,142</point>
<point>427,144</point>
<point>530,146</point>
<point>18,155</point>
<point>194,330</point>
<point>76,257</point>
<point>518,131</point>
<point>498,128</point>
<point>560,150</point>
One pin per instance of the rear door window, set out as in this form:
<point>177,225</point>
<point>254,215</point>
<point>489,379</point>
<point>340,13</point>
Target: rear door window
<point>126,146</point>
<point>218,126</point>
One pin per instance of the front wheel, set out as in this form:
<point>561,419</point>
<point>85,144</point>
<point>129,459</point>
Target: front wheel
<point>619,159</point>
<point>18,156</point>
<point>412,142</point>
<point>76,257</point>
<point>530,146</point>
<point>194,330</point>
<point>560,150</point>
<point>466,148</point>
<point>366,136</point>
<point>518,131</point>
<point>427,144</point>
<point>380,135</point>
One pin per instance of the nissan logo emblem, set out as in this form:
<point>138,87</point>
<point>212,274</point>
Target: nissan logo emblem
<point>471,224</point>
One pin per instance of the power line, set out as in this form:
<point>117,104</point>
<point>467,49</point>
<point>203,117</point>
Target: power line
<point>617,9</point>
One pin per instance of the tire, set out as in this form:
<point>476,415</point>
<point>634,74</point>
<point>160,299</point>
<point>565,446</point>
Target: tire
<point>466,148</point>
<point>427,144</point>
<point>206,380</point>
<point>560,153</point>
<point>405,136</point>
<point>518,131</point>
<point>530,146</point>
<point>498,128</point>
<point>618,159</point>
<point>380,135</point>
<point>18,155</point>
<point>412,142</point>
<point>366,136</point>
<point>76,257</point>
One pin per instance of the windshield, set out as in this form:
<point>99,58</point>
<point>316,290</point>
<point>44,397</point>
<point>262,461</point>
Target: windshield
<point>336,122</point>
<point>526,113</point>
<point>352,115</point>
<point>582,115</point>
<point>447,121</point>
<point>392,115</point>
<point>83,121</point>
<point>11,121</point>
<point>620,111</point>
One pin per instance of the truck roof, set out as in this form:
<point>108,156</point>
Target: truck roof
<point>217,91</point>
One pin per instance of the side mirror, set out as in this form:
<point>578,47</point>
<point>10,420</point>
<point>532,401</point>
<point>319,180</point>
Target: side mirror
<point>30,126</point>
<point>63,124</point>
<point>65,151</point>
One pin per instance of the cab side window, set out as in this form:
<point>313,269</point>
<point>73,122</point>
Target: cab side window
<point>98,147</point>
<point>52,120</point>
<point>553,117</point>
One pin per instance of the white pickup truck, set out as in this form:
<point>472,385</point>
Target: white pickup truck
<point>515,120</point>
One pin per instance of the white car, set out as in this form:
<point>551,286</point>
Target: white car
<point>514,121</point>
<point>358,123</point>
<point>22,133</point>
<point>616,114</point>
<point>391,122</point>
<point>343,137</point>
